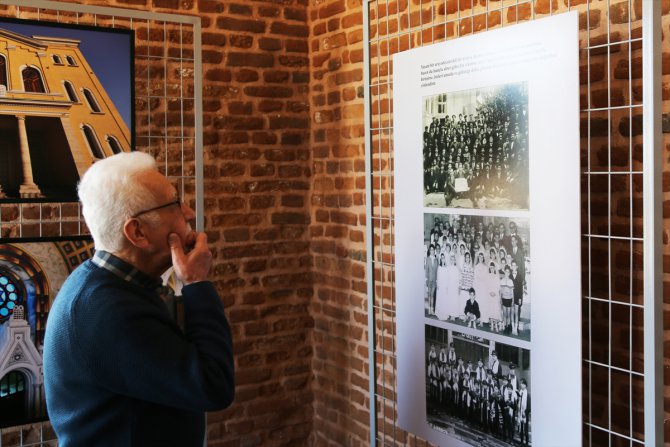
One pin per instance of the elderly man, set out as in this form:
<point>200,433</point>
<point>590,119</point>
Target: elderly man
<point>118,370</point>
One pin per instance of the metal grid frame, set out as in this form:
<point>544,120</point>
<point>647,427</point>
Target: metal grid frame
<point>168,114</point>
<point>388,30</point>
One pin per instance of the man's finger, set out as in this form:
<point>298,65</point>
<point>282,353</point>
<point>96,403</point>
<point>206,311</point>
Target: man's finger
<point>175,244</point>
<point>201,238</point>
<point>189,240</point>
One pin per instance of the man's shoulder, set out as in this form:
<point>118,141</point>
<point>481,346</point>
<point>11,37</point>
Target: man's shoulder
<point>90,276</point>
<point>75,284</point>
<point>89,286</point>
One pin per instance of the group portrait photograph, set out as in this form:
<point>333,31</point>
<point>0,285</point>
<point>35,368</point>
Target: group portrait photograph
<point>475,148</point>
<point>477,272</point>
<point>477,390</point>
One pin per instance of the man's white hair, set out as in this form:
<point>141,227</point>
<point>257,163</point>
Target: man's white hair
<point>111,192</point>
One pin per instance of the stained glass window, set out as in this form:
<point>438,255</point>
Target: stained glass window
<point>9,297</point>
<point>12,383</point>
<point>32,80</point>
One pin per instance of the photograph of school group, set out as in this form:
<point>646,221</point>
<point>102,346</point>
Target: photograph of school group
<point>477,272</point>
<point>475,148</point>
<point>477,390</point>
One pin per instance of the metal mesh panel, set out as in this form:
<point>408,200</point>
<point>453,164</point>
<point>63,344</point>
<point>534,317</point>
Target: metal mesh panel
<point>611,174</point>
<point>167,92</point>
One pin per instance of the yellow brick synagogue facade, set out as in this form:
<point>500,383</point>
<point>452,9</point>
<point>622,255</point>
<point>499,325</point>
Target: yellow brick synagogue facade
<point>56,119</point>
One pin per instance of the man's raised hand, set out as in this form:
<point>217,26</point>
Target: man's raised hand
<point>192,266</point>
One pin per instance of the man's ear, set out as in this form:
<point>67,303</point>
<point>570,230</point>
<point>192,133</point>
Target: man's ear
<point>134,232</point>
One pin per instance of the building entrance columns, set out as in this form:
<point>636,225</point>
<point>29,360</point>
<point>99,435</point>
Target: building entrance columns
<point>28,187</point>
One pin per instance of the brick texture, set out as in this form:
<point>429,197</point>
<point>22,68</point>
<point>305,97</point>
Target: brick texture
<point>339,306</point>
<point>258,174</point>
<point>259,185</point>
<point>285,199</point>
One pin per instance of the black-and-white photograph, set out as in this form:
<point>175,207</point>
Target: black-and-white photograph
<point>477,390</point>
<point>475,148</point>
<point>477,272</point>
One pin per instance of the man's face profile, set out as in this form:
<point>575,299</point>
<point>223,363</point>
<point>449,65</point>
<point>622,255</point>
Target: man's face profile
<point>167,219</point>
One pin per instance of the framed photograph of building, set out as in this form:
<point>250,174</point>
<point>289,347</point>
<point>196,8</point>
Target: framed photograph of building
<point>66,100</point>
<point>31,274</point>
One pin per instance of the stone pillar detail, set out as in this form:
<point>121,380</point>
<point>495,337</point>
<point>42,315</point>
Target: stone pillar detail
<point>28,187</point>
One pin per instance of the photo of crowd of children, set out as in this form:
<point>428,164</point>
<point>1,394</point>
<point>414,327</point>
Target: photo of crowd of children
<point>477,272</point>
<point>477,390</point>
<point>475,148</point>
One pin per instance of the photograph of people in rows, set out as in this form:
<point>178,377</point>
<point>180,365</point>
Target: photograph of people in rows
<point>477,396</point>
<point>477,272</point>
<point>475,148</point>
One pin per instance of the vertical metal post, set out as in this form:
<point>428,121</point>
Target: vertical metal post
<point>197,81</point>
<point>653,261</point>
<point>369,233</point>
<point>199,180</point>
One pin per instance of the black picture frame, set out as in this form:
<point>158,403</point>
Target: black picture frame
<point>80,123</point>
<point>33,270</point>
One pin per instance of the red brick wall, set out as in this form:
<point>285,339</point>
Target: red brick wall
<point>258,177</point>
<point>337,232</point>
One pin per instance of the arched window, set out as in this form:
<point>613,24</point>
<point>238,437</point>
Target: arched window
<point>32,80</point>
<point>9,296</point>
<point>3,71</point>
<point>92,141</point>
<point>69,89</point>
<point>90,99</point>
<point>57,59</point>
<point>70,60</point>
<point>14,382</point>
<point>114,144</point>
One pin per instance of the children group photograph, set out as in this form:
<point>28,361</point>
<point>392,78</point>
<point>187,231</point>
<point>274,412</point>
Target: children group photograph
<point>476,389</point>
<point>477,272</point>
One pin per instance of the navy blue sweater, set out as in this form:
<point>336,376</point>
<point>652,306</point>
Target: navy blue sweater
<point>119,372</point>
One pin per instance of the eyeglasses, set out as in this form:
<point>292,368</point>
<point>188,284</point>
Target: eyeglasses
<point>156,208</point>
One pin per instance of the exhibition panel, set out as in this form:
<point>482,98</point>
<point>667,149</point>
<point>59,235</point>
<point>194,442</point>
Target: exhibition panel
<point>487,180</point>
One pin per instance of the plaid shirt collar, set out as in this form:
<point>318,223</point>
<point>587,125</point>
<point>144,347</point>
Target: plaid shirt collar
<point>125,271</point>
